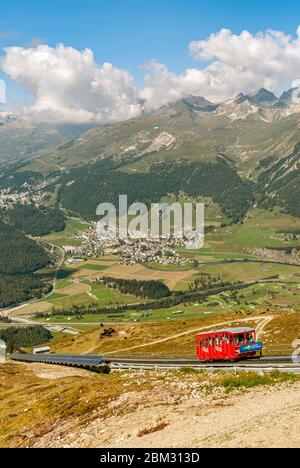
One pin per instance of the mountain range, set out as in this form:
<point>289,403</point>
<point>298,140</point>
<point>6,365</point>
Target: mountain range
<point>257,136</point>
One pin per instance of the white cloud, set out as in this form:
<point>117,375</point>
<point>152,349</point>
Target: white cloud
<point>68,85</point>
<point>2,92</point>
<point>244,62</point>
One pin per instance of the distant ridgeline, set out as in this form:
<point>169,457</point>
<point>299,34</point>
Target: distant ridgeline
<point>218,180</point>
<point>20,257</point>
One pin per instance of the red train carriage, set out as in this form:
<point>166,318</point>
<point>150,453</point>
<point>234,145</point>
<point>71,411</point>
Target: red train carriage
<point>231,344</point>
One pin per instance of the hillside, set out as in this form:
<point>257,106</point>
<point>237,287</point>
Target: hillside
<point>247,129</point>
<point>18,254</point>
<point>61,407</point>
<point>21,139</point>
<point>238,153</point>
<point>33,220</point>
<point>20,257</point>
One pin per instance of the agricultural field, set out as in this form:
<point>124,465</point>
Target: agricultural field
<point>140,272</point>
<point>226,255</point>
<point>259,230</point>
<point>66,237</point>
<point>244,271</point>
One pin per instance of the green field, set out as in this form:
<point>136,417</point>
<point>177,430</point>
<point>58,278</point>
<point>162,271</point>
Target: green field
<point>171,267</point>
<point>259,230</point>
<point>223,256</point>
<point>283,296</point>
<point>90,266</point>
<point>62,284</point>
<point>66,237</point>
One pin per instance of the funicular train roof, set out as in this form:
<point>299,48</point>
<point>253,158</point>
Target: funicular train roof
<point>228,330</point>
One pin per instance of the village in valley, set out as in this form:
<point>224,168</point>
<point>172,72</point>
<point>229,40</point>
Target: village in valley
<point>130,251</point>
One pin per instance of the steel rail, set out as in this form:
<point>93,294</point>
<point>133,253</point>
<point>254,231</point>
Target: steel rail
<point>96,363</point>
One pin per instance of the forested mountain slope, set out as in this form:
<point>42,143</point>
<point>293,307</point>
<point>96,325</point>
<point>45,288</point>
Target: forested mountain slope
<point>20,257</point>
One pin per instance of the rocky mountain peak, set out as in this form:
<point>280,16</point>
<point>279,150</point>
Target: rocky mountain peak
<point>262,96</point>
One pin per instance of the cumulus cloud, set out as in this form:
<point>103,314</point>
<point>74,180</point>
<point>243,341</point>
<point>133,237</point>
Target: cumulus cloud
<point>2,92</point>
<point>69,86</point>
<point>237,63</point>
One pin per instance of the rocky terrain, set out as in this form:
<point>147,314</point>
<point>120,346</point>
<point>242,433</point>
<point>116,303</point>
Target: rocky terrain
<point>147,409</point>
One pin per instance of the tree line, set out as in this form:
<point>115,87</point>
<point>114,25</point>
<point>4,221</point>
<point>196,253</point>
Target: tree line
<point>21,288</point>
<point>33,220</point>
<point>145,289</point>
<point>174,299</point>
<point>20,257</point>
<point>18,254</point>
<point>207,282</point>
<point>24,337</point>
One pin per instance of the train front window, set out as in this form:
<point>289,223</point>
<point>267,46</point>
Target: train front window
<point>239,339</point>
<point>250,337</point>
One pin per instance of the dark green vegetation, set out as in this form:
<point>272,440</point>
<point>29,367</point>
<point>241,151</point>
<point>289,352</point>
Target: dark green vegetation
<point>144,289</point>
<point>20,257</point>
<point>20,288</point>
<point>24,336</point>
<point>18,254</point>
<point>36,221</point>
<point>14,180</point>
<point>205,282</point>
<point>217,180</point>
<point>282,178</point>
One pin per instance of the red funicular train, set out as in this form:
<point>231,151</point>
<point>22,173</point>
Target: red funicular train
<point>232,344</point>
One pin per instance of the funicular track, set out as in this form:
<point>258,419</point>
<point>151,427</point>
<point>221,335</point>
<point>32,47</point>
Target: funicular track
<point>95,363</point>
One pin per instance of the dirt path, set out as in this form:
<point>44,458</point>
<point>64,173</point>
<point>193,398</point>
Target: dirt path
<point>262,323</point>
<point>260,328</point>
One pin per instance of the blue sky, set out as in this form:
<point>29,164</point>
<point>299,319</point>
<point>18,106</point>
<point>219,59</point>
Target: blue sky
<point>129,33</point>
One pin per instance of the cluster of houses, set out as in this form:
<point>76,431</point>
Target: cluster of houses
<point>27,196</point>
<point>130,252</point>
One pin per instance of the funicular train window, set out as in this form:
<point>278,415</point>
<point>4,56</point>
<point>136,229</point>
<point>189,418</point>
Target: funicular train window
<point>250,337</point>
<point>241,339</point>
<point>230,339</point>
<point>225,338</point>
